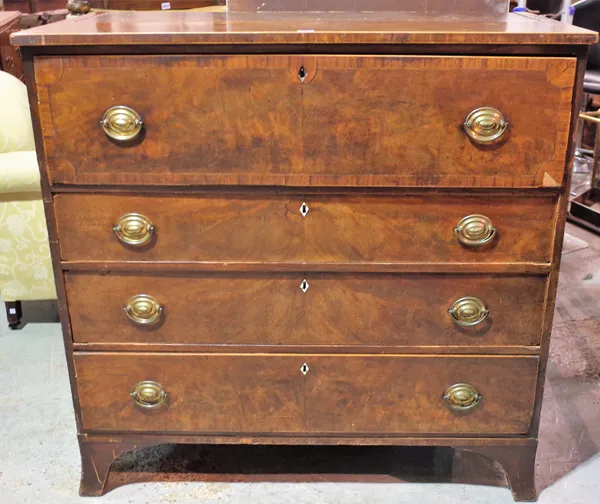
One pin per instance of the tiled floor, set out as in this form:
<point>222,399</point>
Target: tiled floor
<point>39,459</point>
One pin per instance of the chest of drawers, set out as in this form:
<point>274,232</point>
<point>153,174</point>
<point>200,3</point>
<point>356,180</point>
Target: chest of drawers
<point>306,229</point>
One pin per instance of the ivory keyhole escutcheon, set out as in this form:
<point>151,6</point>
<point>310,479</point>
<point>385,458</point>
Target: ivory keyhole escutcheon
<point>304,209</point>
<point>304,286</point>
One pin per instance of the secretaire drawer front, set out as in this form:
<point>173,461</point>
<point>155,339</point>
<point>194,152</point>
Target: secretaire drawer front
<point>303,120</point>
<point>431,228</point>
<point>360,394</point>
<point>306,393</point>
<point>270,309</point>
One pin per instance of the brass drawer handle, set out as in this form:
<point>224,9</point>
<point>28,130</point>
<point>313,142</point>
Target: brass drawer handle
<point>485,125</point>
<point>121,123</point>
<point>462,397</point>
<point>149,395</point>
<point>468,312</point>
<point>143,309</point>
<point>475,230</point>
<point>134,229</point>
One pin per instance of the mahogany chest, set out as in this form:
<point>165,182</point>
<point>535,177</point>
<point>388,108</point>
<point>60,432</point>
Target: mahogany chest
<point>306,228</point>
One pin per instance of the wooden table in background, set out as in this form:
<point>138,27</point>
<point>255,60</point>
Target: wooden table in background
<point>10,60</point>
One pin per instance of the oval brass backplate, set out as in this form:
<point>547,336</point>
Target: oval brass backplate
<point>134,229</point>
<point>485,125</point>
<point>468,311</point>
<point>143,309</point>
<point>121,123</point>
<point>475,230</point>
<point>149,394</point>
<point>462,397</point>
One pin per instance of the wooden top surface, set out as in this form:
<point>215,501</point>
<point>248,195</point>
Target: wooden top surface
<point>471,7</point>
<point>7,17</point>
<point>125,28</point>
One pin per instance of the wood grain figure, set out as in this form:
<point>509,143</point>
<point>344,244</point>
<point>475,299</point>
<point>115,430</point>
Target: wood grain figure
<point>271,228</point>
<point>382,121</point>
<point>269,309</point>
<point>253,394</point>
<point>307,228</point>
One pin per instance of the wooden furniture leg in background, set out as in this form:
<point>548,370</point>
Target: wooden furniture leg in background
<point>14,313</point>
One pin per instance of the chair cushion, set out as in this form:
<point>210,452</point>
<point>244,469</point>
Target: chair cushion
<point>16,130</point>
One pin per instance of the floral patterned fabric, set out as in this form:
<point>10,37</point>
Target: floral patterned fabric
<point>25,265</point>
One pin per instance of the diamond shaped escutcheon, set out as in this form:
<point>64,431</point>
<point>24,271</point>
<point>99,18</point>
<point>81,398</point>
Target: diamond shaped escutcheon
<point>304,209</point>
<point>304,286</point>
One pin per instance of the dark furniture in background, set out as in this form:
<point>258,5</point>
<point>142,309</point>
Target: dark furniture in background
<point>31,6</point>
<point>588,16</point>
<point>585,208</point>
<point>151,4</point>
<point>10,60</point>
<point>544,6</point>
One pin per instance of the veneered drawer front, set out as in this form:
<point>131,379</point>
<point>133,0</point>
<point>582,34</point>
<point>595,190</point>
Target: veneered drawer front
<point>306,120</point>
<point>243,393</point>
<point>269,309</point>
<point>337,229</point>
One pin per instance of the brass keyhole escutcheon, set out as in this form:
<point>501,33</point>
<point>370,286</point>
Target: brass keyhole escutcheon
<point>485,125</point>
<point>143,309</point>
<point>462,397</point>
<point>149,394</point>
<point>121,123</point>
<point>134,229</point>
<point>468,312</point>
<point>475,230</point>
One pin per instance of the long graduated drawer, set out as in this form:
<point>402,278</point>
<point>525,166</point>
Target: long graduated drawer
<point>268,227</point>
<point>278,309</point>
<point>306,120</point>
<point>303,394</point>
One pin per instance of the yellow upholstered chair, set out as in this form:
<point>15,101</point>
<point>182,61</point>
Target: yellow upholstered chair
<point>25,265</point>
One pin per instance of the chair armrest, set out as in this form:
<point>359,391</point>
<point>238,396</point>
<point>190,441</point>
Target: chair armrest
<point>19,173</point>
<point>16,129</point>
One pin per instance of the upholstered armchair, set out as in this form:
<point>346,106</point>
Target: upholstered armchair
<point>25,266</point>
